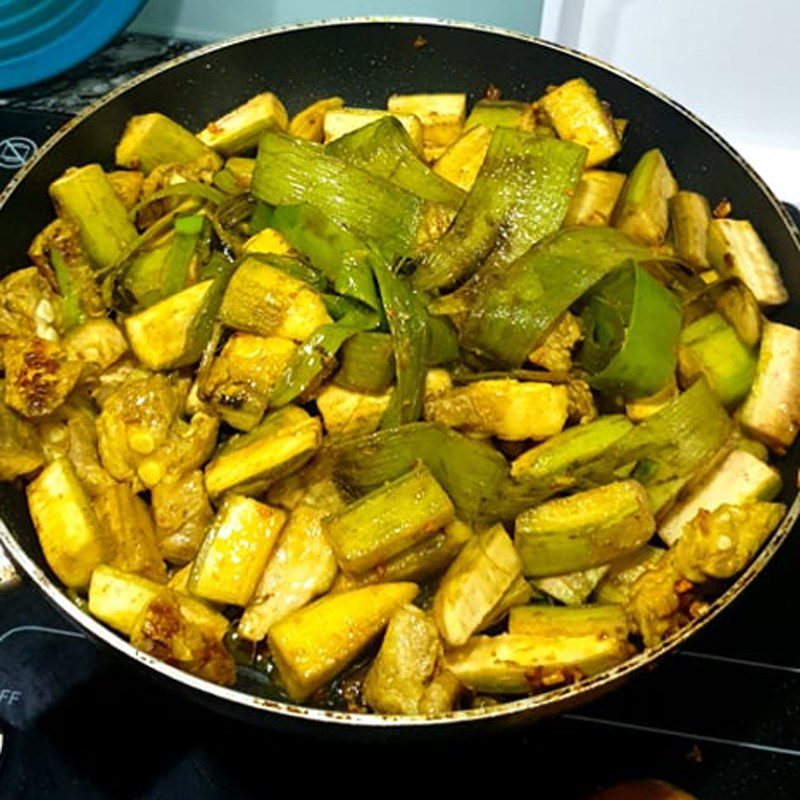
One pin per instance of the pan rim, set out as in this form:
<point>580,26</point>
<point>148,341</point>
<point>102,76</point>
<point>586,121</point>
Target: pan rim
<point>496,30</point>
<point>519,708</point>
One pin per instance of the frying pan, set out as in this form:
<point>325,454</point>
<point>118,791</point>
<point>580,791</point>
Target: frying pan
<point>365,61</point>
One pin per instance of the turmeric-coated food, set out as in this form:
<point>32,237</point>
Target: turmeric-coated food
<point>407,409</point>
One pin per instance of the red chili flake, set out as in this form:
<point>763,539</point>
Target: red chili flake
<point>722,209</point>
<point>492,92</point>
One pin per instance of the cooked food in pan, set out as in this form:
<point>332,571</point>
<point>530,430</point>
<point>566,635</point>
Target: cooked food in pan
<point>399,410</point>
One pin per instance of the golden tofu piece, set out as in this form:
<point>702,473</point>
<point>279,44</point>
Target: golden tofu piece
<point>771,412</point>
<point>735,248</point>
<point>164,336</point>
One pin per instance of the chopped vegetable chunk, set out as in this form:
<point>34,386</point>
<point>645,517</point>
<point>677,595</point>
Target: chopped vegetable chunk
<point>283,442</point>
<point>302,566</point>
<point>309,123</point>
<point>474,584</point>
<point>263,300</point>
<point>740,478</point>
<point>72,539</point>
<point>508,409</point>
<point>318,641</point>
<point>642,211</point>
<point>515,663</point>
<point>151,140</point>
<point>406,676</point>
<point>86,198</point>
<point>578,115</point>
<point>279,391</point>
<point>734,248</point>
<point>389,520</point>
<point>339,122</point>
<point>163,629</point>
<point>240,129</point>
<point>584,530</point>
<point>771,411</point>
<point>235,550</point>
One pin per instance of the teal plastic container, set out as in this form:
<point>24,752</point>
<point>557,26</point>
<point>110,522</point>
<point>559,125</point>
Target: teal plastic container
<point>42,38</point>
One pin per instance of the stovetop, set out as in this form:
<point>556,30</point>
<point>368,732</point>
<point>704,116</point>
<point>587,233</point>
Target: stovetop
<point>720,719</point>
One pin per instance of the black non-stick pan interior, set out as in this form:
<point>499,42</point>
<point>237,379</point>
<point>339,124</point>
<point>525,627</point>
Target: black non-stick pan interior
<point>364,62</point>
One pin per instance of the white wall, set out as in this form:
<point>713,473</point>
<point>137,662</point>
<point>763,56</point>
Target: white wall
<point>736,63</point>
<point>212,19</point>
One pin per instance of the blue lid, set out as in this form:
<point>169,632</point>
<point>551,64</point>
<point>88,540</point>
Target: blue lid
<point>41,38</point>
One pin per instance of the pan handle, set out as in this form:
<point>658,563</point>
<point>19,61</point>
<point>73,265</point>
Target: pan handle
<point>9,577</point>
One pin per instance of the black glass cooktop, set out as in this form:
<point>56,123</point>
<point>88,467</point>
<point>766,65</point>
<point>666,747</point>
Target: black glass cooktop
<point>721,719</point>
